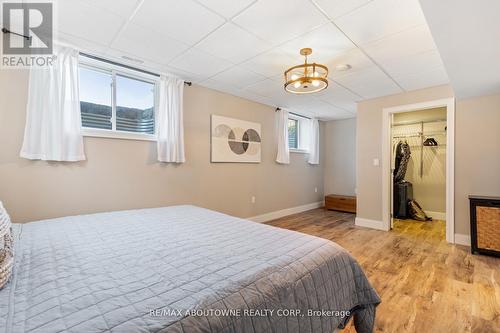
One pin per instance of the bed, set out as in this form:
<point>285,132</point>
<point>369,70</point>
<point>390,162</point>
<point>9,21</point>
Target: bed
<point>179,269</point>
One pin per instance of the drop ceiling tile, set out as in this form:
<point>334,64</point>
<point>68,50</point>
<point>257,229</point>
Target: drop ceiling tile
<point>321,109</point>
<point>271,63</point>
<point>334,114</point>
<point>370,82</point>
<point>326,42</point>
<point>337,8</point>
<point>184,20</point>
<point>147,44</point>
<point>355,58</point>
<point>200,63</point>
<point>381,18</point>
<point>185,75</point>
<point>256,98</point>
<point>73,18</point>
<point>414,64</point>
<point>81,43</point>
<point>400,45</point>
<point>267,88</point>
<point>426,78</point>
<point>227,8</point>
<point>339,96</point>
<point>280,20</point>
<point>134,61</point>
<point>124,8</point>
<point>233,43</point>
<point>220,86</point>
<point>238,77</point>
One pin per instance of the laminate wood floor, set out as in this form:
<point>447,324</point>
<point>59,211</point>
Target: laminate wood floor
<point>426,284</point>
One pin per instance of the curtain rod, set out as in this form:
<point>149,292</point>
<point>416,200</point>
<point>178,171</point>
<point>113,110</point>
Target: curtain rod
<point>295,114</point>
<point>126,66</point>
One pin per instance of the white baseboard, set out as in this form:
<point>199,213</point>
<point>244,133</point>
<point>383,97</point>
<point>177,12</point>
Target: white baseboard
<point>285,212</point>
<point>462,239</point>
<point>436,215</point>
<point>374,224</point>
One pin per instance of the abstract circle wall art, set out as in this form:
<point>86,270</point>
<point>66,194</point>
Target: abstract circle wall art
<point>235,140</point>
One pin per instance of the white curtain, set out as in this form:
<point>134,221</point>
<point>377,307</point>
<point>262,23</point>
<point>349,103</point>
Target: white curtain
<point>314,142</point>
<point>283,156</point>
<point>53,123</point>
<point>170,126</point>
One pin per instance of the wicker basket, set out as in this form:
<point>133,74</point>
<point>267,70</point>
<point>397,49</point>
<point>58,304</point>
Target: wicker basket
<point>488,228</point>
<point>6,261</point>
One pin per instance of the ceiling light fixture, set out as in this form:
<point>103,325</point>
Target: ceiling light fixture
<point>306,78</point>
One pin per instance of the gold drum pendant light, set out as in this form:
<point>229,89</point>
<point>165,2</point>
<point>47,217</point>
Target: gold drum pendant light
<point>306,78</point>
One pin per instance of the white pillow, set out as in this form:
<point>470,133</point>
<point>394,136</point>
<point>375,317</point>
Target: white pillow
<point>6,247</point>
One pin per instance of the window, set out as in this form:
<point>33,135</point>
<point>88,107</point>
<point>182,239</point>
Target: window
<point>293,133</point>
<point>298,133</point>
<point>116,101</point>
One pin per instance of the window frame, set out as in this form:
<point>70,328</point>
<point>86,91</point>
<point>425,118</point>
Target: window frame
<point>297,132</point>
<point>298,119</point>
<point>115,70</point>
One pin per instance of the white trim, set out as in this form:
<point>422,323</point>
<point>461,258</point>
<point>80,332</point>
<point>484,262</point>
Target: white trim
<point>436,215</point>
<point>102,133</point>
<point>373,224</point>
<point>462,239</point>
<point>285,212</point>
<point>449,103</point>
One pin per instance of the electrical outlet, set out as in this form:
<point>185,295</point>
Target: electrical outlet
<point>315,190</point>
<point>253,199</point>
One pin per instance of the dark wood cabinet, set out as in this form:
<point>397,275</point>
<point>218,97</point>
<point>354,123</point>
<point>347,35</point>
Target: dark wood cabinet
<point>485,225</point>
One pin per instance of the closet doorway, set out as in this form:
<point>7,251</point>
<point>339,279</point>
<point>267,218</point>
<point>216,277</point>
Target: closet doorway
<point>418,166</point>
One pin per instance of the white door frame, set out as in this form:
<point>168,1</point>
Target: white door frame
<point>449,103</point>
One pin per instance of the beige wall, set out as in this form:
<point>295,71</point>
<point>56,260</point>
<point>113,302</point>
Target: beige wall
<point>340,157</point>
<point>477,157</point>
<point>429,184</point>
<point>477,153</point>
<point>124,174</point>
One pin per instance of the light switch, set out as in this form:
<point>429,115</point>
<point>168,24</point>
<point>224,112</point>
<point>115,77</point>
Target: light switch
<point>376,162</point>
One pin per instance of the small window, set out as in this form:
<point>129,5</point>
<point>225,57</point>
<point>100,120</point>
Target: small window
<point>116,102</point>
<point>135,105</point>
<point>293,133</point>
<point>299,128</point>
<point>95,98</point>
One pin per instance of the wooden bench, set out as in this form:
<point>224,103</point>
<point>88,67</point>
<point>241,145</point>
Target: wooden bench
<point>343,203</point>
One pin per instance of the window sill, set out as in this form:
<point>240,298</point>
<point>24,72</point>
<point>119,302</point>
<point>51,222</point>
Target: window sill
<point>100,133</point>
<point>299,151</point>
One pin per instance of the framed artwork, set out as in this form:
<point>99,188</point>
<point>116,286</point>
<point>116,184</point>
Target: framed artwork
<point>235,140</point>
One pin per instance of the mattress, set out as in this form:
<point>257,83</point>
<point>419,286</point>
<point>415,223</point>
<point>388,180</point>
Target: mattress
<point>179,269</point>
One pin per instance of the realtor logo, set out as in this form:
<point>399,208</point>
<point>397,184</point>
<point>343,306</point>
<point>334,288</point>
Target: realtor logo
<point>28,28</point>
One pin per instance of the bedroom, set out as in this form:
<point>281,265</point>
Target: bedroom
<point>159,145</point>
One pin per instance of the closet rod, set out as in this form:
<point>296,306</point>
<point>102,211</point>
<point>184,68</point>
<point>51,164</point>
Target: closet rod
<point>418,122</point>
<point>417,135</point>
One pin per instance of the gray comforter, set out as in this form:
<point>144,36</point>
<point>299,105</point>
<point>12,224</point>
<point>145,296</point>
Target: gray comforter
<point>179,269</point>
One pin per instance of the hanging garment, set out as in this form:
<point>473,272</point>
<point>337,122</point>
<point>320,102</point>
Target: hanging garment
<point>403,154</point>
<point>416,212</point>
<point>430,142</point>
